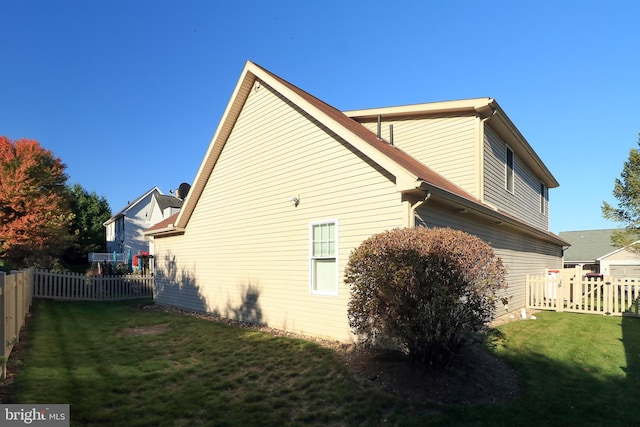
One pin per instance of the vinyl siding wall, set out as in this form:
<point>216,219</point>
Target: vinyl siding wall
<point>524,202</point>
<point>621,264</point>
<point>521,254</point>
<point>245,251</point>
<point>446,144</point>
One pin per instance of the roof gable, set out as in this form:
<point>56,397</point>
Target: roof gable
<point>410,174</point>
<point>123,212</point>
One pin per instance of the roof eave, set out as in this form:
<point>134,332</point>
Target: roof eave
<point>500,218</point>
<point>164,232</point>
<point>473,105</point>
<point>223,130</point>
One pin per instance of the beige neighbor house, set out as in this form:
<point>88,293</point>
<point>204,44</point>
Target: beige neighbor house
<point>289,186</point>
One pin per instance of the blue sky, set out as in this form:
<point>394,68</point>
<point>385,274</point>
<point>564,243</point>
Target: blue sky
<point>129,93</point>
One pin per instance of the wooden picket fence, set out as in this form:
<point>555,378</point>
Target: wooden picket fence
<point>16,294</point>
<point>18,288</point>
<point>570,290</point>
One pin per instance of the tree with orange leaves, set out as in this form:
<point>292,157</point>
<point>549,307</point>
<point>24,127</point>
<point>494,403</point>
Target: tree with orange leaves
<point>34,207</point>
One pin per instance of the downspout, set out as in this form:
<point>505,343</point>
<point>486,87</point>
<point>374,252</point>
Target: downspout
<point>415,206</point>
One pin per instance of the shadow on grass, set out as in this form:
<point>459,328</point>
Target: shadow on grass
<point>631,342</point>
<point>569,375</point>
<point>220,374</point>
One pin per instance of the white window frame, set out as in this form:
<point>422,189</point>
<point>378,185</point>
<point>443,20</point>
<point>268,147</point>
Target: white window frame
<point>313,258</point>
<point>543,197</point>
<point>508,173</point>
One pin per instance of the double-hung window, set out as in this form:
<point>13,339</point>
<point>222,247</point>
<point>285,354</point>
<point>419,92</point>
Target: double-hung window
<point>324,266</point>
<point>509,170</point>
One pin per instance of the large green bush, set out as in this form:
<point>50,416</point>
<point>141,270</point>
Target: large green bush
<point>429,290</point>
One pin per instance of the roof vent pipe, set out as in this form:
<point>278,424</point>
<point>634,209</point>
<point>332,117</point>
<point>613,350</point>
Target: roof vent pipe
<point>380,126</point>
<point>391,135</point>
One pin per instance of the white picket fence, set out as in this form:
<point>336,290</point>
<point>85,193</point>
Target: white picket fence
<point>16,294</point>
<point>80,287</point>
<point>570,290</point>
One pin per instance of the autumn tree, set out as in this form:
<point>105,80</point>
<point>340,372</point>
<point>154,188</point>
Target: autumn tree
<point>34,207</point>
<point>627,191</point>
<point>90,212</point>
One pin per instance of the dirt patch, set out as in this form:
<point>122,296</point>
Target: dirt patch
<point>145,330</point>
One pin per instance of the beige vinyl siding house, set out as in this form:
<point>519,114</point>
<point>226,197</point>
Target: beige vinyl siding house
<point>289,186</point>
<point>524,201</point>
<point>519,253</point>
<point>246,235</point>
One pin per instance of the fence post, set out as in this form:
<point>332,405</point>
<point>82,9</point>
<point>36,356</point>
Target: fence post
<point>3,323</point>
<point>563,281</point>
<point>18,302</point>
<point>607,297</point>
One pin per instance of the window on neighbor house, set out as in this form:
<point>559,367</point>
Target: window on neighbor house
<point>509,170</point>
<point>542,197</point>
<point>324,268</point>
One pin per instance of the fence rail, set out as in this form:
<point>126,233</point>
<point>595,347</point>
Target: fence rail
<point>106,256</point>
<point>569,290</point>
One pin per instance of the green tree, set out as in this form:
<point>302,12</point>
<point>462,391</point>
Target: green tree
<point>91,211</point>
<point>34,207</point>
<point>627,212</point>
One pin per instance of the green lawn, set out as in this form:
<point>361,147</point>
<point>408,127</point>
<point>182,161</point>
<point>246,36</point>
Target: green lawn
<point>575,370</point>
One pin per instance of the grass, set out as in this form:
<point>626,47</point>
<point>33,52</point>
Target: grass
<point>575,370</point>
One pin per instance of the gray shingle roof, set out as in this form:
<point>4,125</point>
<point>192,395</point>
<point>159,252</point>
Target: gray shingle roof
<point>168,201</point>
<point>587,245</point>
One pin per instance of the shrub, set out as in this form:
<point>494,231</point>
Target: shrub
<point>429,290</point>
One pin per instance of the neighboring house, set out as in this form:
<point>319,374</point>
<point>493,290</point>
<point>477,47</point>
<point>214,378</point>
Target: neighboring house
<point>289,186</point>
<point>124,229</point>
<point>163,207</point>
<point>593,251</point>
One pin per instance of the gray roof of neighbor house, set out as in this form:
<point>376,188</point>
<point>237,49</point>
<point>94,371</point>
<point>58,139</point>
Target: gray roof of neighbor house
<point>168,201</point>
<point>587,245</point>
